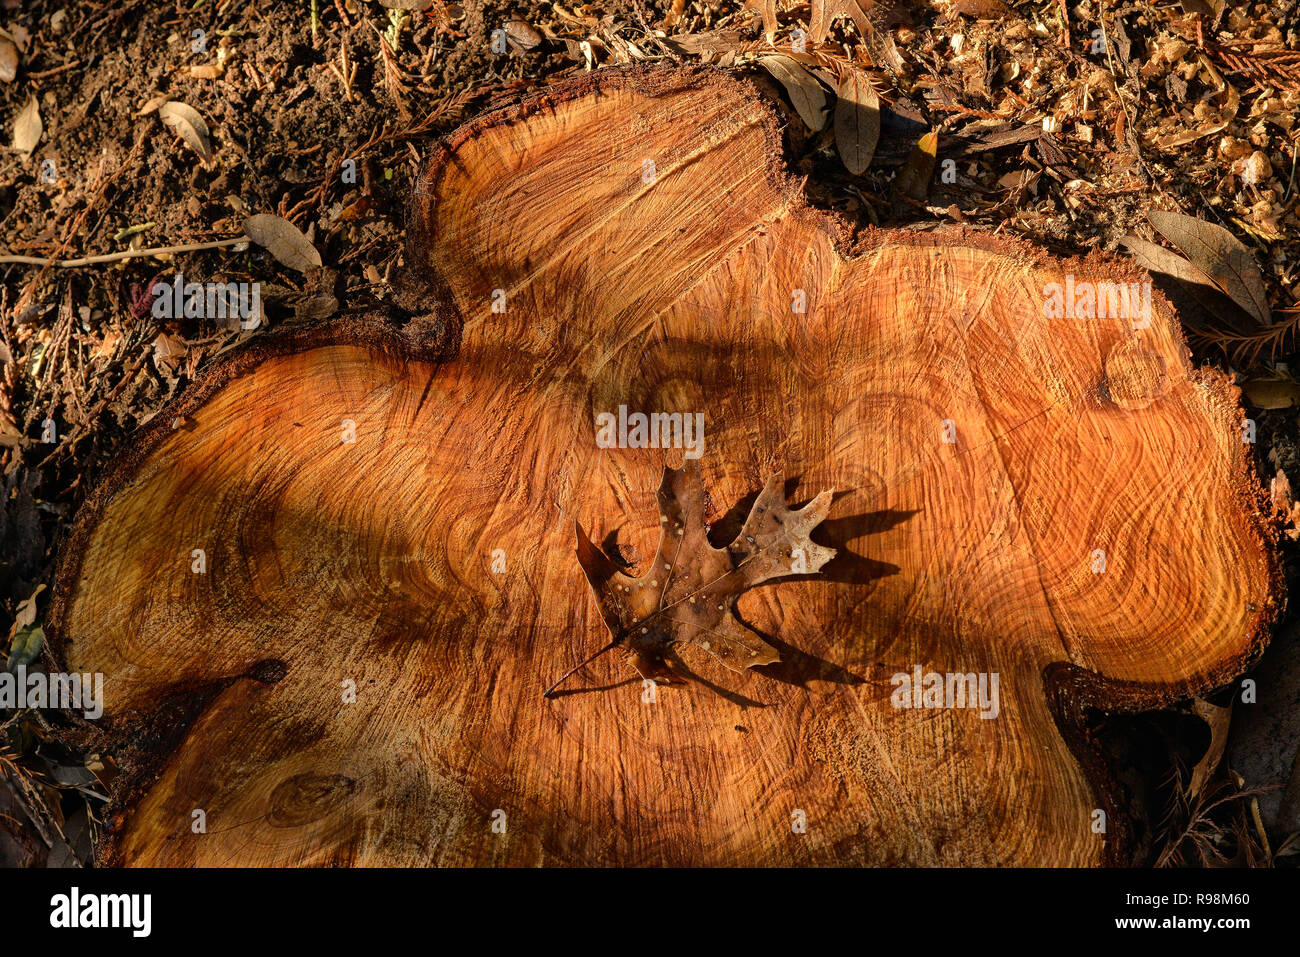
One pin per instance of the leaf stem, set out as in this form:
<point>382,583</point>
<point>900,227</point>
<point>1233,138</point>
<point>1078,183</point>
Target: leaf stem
<point>582,664</point>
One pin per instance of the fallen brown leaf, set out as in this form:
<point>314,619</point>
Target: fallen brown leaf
<point>857,121</point>
<point>768,9</point>
<point>168,352</point>
<point>1221,256</point>
<point>1204,295</point>
<point>1218,719</point>
<point>826,12</point>
<point>283,240</point>
<point>186,122</point>
<point>28,129</point>
<point>8,60</point>
<point>801,86</point>
<point>152,104</point>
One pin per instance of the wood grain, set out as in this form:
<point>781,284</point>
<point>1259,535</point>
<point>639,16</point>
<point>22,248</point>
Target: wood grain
<point>373,560</point>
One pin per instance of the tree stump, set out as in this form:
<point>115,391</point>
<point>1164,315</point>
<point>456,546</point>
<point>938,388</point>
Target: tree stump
<point>330,585</point>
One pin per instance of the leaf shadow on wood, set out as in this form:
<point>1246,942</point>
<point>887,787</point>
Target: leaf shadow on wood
<point>797,667</point>
<point>682,670</point>
<point>612,686</point>
<point>609,545</point>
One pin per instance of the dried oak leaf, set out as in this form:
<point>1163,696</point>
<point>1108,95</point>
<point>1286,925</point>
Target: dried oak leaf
<point>688,593</point>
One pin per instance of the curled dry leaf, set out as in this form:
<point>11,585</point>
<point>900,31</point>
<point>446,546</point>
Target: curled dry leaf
<point>857,121</point>
<point>28,128</point>
<point>520,33</point>
<point>168,353</point>
<point>1218,719</point>
<point>8,60</point>
<point>688,593</point>
<point>152,104</point>
<point>26,614</point>
<point>768,10</point>
<point>186,122</point>
<point>283,240</point>
<point>1221,256</point>
<point>801,86</point>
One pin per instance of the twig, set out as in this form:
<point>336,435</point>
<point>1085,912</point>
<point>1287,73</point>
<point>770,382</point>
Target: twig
<point>87,421</point>
<point>117,257</point>
<point>58,69</point>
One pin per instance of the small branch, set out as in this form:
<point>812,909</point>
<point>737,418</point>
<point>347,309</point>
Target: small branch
<point>58,69</point>
<point>117,257</point>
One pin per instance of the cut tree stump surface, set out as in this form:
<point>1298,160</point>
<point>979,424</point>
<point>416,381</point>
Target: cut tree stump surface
<point>649,251</point>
